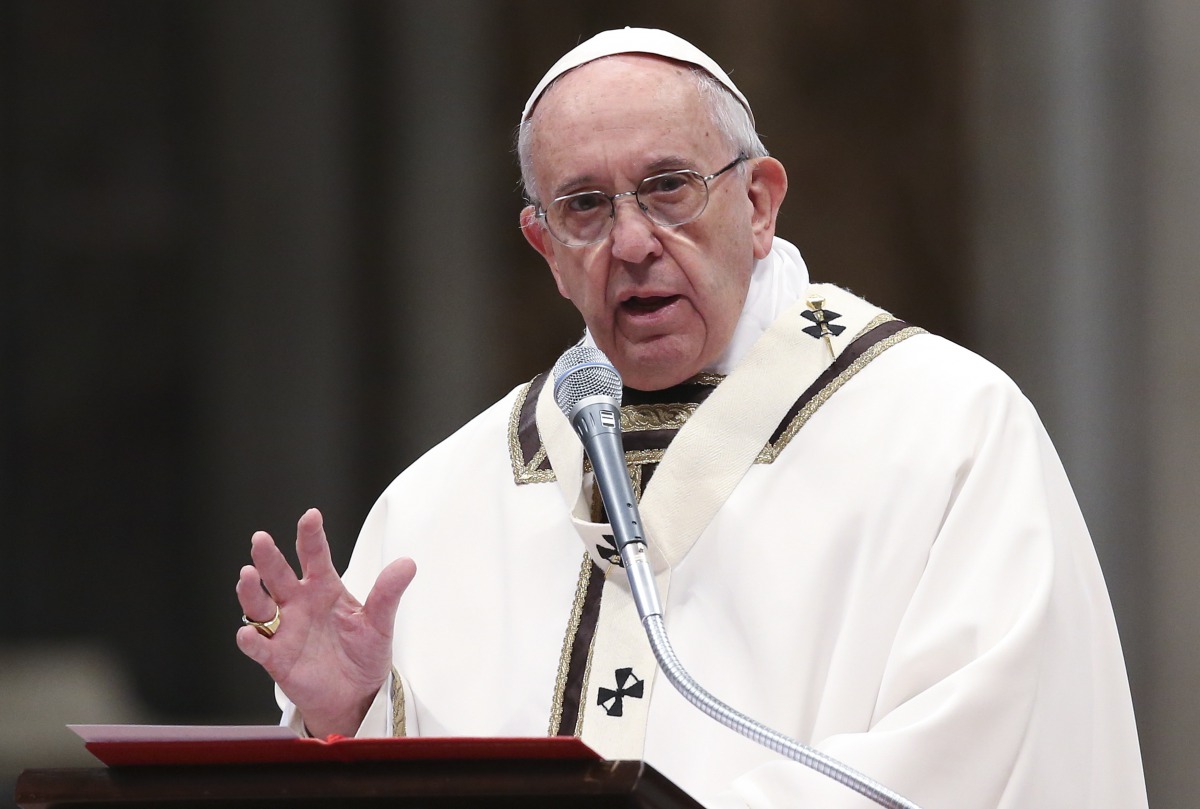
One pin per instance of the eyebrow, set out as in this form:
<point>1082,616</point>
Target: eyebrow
<point>583,182</point>
<point>587,182</point>
<point>669,163</point>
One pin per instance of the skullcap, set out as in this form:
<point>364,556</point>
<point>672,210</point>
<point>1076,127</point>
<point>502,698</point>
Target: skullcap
<point>634,40</point>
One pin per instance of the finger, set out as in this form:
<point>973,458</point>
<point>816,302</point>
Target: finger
<point>256,604</point>
<point>384,598</point>
<point>273,568</point>
<point>254,645</point>
<point>312,547</point>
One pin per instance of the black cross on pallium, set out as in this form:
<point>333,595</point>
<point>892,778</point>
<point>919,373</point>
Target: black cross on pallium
<point>628,685</point>
<point>610,554</point>
<point>819,317</point>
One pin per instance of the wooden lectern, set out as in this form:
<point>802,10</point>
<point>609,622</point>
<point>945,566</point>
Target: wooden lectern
<point>400,773</point>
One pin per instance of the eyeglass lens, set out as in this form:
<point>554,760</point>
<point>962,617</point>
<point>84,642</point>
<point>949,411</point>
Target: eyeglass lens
<point>668,199</point>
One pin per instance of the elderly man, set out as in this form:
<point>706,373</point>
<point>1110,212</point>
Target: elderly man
<point>861,533</point>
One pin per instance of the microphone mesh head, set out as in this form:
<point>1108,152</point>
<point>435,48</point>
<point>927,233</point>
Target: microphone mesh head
<point>584,371</point>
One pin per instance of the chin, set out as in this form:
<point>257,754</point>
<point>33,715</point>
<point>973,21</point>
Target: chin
<point>657,363</point>
<point>657,373</point>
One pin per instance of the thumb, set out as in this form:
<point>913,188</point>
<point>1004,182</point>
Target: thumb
<point>384,598</point>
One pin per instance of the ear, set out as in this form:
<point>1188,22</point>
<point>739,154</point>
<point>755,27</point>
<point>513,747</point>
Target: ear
<point>540,240</point>
<point>768,187</point>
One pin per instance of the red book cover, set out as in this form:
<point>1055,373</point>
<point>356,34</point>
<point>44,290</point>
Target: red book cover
<point>181,745</point>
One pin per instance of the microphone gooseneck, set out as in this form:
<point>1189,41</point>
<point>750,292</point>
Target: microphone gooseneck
<point>587,389</point>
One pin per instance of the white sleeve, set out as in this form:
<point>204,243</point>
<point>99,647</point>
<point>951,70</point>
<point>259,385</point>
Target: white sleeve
<point>376,723</point>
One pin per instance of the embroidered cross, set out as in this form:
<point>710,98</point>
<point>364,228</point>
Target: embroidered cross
<point>610,554</point>
<point>628,685</point>
<point>822,326</point>
<point>821,319</point>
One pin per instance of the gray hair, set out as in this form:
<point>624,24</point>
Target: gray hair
<point>727,113</point>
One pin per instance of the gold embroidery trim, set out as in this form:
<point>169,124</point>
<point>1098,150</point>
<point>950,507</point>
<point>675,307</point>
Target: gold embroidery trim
<point>878,320</point>
<point>583,690</point>
<point>635,477</point>
<point>635,459</point>
<point>584,702</point>
<point>564,658</point>
<point>770,452</point>
<point>637,418</point>
<point>712,380</point>
<point>525,472</point>
<point>399,727</point>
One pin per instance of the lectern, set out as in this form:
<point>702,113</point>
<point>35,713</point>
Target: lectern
<point>399,773</point>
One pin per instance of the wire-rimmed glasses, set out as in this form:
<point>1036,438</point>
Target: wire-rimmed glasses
<point>670,199</point>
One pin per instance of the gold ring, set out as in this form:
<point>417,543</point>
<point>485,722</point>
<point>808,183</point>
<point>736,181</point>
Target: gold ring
<point>265,628</point>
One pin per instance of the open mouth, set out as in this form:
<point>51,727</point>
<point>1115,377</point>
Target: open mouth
<point>648,305</point>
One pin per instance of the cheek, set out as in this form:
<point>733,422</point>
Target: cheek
<point>727,280</point>
<point>728,258</point>
<point>580,281</point>
<point>560,281</point>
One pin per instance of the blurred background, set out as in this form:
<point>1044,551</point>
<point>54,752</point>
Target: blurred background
<point>257,256</point>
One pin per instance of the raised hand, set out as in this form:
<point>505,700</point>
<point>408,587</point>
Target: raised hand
<point>329,653</point>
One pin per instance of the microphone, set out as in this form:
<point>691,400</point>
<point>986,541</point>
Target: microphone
<point>587,389</point>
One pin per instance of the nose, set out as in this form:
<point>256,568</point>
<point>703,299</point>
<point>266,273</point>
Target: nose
<point>633,236</point>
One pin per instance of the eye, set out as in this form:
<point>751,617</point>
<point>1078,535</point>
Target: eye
<point>666,184</point>
<point>585,203</point>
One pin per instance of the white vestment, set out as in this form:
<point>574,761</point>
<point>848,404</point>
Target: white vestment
<point>905,582</point>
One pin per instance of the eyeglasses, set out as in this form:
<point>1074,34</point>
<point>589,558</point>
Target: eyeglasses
<point>670,199</point>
